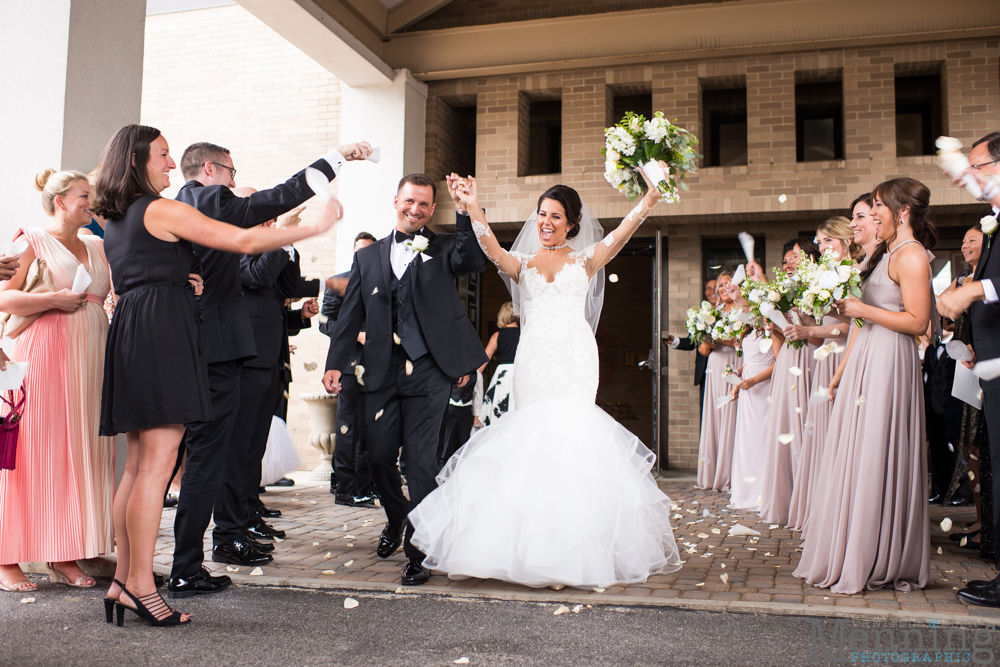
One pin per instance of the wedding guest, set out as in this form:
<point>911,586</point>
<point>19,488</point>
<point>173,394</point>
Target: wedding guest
<point>351,480</point>
<point>499,397</point>
<point>942,412</point>
<point>837,236</point>
<point>155,372</point>
<point>785,426</point>
<point>979,297</point>
<point>456,427</point>
<point>718,425</point>
<point>55,506</point>
<point>869,525</point>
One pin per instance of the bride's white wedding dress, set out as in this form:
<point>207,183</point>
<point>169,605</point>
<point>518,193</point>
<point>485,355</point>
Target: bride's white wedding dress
<point>557,492</point>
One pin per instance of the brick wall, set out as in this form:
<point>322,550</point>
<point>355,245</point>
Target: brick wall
<point>221,75</point>
<point>725,200</point>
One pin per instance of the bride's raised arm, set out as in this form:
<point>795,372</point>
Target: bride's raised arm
<point>605,251</point>
<point>466,194</point>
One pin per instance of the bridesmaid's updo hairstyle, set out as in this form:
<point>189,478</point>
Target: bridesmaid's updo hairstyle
<point>121,173</point>
<point>838,227</point>
<point>52,184</point>
<point>897,194</point>
<point>570,200</point>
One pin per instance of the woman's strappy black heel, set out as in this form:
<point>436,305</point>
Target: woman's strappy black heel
<point>156,605</point>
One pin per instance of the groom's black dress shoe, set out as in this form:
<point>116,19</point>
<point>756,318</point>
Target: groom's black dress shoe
<point>389,541</point>
<point>263,547</point>
<point>936,499</point>
<point>415,574</point>
<point>239,552</point>
<point>261,531</point>
<point>986,596</point>
<point>202,583</point>
<point>977,584</point>
<point>268,513</point>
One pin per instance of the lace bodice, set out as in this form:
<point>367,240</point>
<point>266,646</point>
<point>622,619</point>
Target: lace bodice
<point>557,353</point>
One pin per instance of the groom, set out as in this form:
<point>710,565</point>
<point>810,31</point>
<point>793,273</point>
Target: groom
<point>419,342</point>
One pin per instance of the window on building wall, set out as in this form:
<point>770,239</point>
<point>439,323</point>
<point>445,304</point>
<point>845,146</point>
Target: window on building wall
<point>724,116</point>
<point>819,121</point>
<point>918,114</point>
<point>639,103</point>
<point>454,142</point>
<point>544,135</point>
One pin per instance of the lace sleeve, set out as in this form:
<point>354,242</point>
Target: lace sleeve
<point>507,263</point>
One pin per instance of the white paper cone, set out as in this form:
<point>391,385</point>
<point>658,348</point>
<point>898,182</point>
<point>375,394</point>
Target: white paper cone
<point>733,379</point>
<point>957,350</point>
<point>318,182</point>
<point>987,370</point>
<point>16,248</point>
<point>739,275</point>
<point>12,378</point>
<point>775,316</point>
<point>375,156</point>
<point>721,401</point>
<point>747,242</point>
<point>81,281</point>
<point>955,163</point>
<point>745,318</point>
<point>654,172</point>
<point>794,317</point>
<point>965,387</point>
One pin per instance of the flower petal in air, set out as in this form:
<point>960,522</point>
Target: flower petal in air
<point>409,367</point>
<point>795,370</point>
<point>378,414</point>
<point>946,524</point>
<point>786,438</point>
<point>861,401</point>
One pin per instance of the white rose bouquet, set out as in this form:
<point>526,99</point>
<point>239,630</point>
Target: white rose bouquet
<point>729,326</point>
<point>636,143</point>
<point>700,321</point>
<point>823,282</point>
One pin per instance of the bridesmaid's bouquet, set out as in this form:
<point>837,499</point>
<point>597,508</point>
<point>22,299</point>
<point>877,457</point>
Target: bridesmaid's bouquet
<point>636,143</point>
<point>769,299</point>
<point>729,326</point>
<point>823,282</point>
<point>700,321</point>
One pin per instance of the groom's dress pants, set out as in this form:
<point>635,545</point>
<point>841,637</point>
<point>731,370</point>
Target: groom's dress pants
<point>406,413</point>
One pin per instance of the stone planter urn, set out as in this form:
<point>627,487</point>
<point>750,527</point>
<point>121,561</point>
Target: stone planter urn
<point>322,430</point>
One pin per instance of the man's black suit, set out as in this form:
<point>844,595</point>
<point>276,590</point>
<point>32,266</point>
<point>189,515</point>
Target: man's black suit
<point>985,320</point>
<point>229,342</point>
<point>700,366</point>
<point>350,457</point>
<point>405,409</point>
<point>943,415</point>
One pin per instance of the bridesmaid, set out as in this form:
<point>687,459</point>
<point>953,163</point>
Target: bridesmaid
<point>869,524</point>
<point>752,393</point>
<point>723,420</point>
<point>55,506</point>
<point>836,235</point>
<point>789,400</point>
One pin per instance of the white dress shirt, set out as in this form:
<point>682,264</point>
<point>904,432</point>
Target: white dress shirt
<point>400,255</point>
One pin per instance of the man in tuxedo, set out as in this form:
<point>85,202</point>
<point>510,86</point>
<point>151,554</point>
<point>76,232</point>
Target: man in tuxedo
<point>351,480</point>
<point>418,343</point>
<point>943,413</point>
<point>979,296</point>
<point>228,340</point>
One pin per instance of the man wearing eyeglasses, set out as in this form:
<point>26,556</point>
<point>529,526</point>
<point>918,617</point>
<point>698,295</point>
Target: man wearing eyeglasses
<point>228,340</point>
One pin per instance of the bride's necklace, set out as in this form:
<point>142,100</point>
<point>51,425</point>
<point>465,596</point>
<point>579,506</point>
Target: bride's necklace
<point>554,247</point>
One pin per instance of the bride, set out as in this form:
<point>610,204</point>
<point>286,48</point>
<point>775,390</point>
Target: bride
<point>557,493</point>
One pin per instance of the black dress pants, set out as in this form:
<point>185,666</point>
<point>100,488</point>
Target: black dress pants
<point>241,469</point>
<point>350,456</point>
<point>942,459</point>
<point>207,444</point>
<point>991,411</point>
<point>406,413</point>
<point>456,428</point>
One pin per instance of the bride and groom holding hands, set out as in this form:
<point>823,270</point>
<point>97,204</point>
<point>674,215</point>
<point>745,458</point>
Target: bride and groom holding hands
<point>555,494</point>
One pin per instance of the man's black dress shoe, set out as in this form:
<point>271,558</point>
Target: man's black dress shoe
<point>936,499</point>
<point>284,481</point>
<point>159,580</point>
<point>344,499</point>
<point>958,502</point>
<point>263,547</point>
<point>170,500</point>
<point>200,584</point>
<point>415,574</point>
<point>268,513</point>
<point>239,552</point>
<point>365,499</point>
<point>977,584</point>
<point>987,596</point>
<point>389,541</point>
<point>261,531</point>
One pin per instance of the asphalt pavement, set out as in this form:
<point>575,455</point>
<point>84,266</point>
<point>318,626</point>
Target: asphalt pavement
<point>284,626</point>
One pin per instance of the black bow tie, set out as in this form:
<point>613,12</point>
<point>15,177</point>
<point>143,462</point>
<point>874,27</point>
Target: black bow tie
<point>401,237</point>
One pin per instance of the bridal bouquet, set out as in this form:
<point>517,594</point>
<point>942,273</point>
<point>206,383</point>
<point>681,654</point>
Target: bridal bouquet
<point>700,321</point>
<point>828,280</point>
<point>729,326</point>
<point>636,143</point>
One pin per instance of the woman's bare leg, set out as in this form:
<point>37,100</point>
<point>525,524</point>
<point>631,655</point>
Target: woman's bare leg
<point>119,510</point>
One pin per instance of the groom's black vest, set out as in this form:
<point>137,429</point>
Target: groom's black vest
<point>404,315</point>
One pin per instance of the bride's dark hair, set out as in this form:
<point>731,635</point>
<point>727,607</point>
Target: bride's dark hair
<point>570,200</point>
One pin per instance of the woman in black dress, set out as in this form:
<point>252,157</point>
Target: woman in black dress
<point>499,397</point>
<point>155,374</point>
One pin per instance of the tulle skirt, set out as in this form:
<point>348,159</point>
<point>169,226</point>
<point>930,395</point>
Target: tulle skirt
<point>281,456</point>
<point>556,492</point>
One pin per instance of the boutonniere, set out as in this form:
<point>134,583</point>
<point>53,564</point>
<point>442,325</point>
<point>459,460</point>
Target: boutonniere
<point>418,243</point>
<point>989,226</point>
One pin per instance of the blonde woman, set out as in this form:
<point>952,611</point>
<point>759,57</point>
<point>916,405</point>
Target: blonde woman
<point>55,506</point>
<point>499,397</point>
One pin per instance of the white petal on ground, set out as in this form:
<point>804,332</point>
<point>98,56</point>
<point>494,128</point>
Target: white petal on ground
<point>946,524</point>
<point>399,591</point>
<point>27,600</point>
<point>598,590</point>
<point>724,577</point>
<point>328,571</point>
<point>315,544</point>
<point>702,536</point>
<point>461,661</point>
<point>256,572</point>
<point>230,568</point>
<point>717,531</point>
<point>349,563</point>
<point>773,526</point>
<point>563,609</point>
<point>350,603</point>
<point>328,555</point>
<point>577,609</point>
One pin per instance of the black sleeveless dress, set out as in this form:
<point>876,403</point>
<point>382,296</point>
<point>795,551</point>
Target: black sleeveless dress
<point>155,371</point>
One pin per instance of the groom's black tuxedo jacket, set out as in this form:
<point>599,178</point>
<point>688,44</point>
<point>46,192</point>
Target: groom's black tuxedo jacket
<point>225,322</point>
<point>985,317</point>
<point>450,337</point>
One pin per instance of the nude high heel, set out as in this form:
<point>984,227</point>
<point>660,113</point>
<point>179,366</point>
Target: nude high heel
<point>57,577</point>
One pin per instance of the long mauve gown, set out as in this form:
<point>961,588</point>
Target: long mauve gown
<point>868,527</point>
<point>750,448</point>
<point>814,435</point>
<point>787,415</point>
<point>718,427</point>
<point>56,504</point>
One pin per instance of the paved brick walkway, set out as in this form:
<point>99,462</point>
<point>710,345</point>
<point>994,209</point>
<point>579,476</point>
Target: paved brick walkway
<point>332,546</point>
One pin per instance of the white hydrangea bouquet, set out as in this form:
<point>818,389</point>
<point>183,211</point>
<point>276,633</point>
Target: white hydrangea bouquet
<point>768,300</point>
<point>700,321</point>
<point>636,143</point>
<point>729,326</point>
<point>823,282</point>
